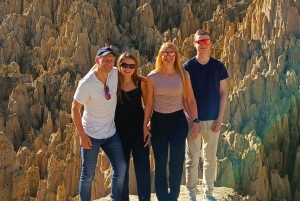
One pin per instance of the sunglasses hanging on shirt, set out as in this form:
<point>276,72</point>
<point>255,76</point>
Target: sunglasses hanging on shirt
<point>106,90</point>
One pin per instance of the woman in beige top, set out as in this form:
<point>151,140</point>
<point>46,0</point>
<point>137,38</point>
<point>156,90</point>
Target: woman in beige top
<point>168,88</point>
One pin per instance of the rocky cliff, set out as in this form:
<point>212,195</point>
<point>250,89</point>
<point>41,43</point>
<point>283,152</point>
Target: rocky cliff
<point>47,46</point>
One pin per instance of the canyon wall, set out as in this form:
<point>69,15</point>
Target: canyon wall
<point>47,46</point>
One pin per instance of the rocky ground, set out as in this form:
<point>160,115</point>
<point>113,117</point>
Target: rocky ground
<point>220,193</point>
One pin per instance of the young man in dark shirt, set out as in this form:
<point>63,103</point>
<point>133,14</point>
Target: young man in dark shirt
<point>209,85</point>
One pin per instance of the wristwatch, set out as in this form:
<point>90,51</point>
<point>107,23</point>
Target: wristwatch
<point>197,121</point>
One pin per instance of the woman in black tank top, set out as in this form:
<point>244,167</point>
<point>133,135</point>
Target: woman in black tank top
<point>129,119</point>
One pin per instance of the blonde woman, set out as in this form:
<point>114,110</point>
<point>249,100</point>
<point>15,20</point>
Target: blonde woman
<point>129,117</point>
<point>168,88</point>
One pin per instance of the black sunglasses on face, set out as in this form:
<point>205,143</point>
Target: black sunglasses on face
<point>125,65</point>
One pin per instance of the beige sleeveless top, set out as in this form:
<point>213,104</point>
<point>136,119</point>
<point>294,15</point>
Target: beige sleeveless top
<point>167,92</point>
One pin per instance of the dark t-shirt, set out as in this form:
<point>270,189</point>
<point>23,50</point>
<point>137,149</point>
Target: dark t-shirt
<point>129,114</point>
<point>205,81</point>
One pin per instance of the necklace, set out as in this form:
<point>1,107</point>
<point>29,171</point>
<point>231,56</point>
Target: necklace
<point>126,95</point>
<point>125,85</point>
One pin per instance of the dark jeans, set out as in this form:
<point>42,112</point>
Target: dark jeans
<point>133,143</point>
<point>168,130</point>
<point>112,147</point>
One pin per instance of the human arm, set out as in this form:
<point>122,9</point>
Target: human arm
<point>144,91</point>
<point>186,109</point>
<point>144,98</point>
<point>185,104</point>
<point>190,105</point>
<point>85,141</point>
<point>148,109</point>
<point>223,99</point>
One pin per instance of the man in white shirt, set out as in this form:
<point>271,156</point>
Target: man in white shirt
<point>96,127</point>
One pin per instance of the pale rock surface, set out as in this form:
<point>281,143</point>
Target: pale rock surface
<point>19,100</point>
<point>143,17</point>
<point>280,183</point>
<point>33,180</point>
<point>296,173</point>
<point>53,44</point>
<point>13,130</point>
<point>142,27</point>
<point>225,176</point>
<point>16,67</point>
<point>13,178</point>
<point>190,24</point>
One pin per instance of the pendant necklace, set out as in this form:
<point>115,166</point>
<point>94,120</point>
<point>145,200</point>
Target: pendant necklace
<point>124,87</point>
<point>126,95</point>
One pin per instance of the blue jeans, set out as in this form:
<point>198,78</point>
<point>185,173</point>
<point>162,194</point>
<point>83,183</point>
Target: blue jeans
<point>112,147</point>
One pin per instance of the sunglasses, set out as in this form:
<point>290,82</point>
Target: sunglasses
<point>171,54</point>
<point>202,42</point>
<point>125,65</point>
<point>106,90</point>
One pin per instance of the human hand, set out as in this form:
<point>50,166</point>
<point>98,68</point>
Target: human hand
<point>147,136</point>
<point>217,125</point>
<point>196,129</point>
<point>106,45</point>
<point>190,121</point>
<point>149,125</point>
<point>85,141</point>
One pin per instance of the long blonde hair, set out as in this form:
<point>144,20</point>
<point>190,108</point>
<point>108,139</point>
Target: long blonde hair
<point>177,64</point>
<point>134,77</point>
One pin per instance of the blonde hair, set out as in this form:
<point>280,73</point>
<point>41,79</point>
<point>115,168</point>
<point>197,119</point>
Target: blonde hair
<point>177,64</point>
<point>134,77</point>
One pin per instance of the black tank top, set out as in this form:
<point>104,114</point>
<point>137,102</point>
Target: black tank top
<point>129,114</point>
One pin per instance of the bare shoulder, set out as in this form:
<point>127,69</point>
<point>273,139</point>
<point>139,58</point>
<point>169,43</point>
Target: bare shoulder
<point>152,73</point>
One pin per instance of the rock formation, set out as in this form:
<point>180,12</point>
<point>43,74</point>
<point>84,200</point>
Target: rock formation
<point>46,47</point>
